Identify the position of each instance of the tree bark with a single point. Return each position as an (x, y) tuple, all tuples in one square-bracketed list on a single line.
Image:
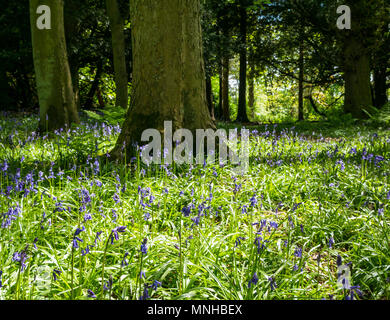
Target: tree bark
[(225, 107), (210, 97), (168, 71), (94, 87), (53, 78), (357, 78), (251, 93), (119, 56), (241, 113), (380, 86)]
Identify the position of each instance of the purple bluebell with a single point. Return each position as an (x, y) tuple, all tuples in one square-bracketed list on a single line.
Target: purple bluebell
[(108, 285), (144, 248), (145, 294), (115, 233), (155, 285), (339, 261), (272, 283), (56, 274), (253, 201), (331, 242), (254, 280), (76, 239), (298, 252), (124, 261), (91, 294), (238, 241)]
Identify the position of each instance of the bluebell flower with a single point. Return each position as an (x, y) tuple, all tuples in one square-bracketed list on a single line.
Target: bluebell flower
[(144, 248), (115, 233), (76, 239), (97, 237), (339, 261), (254, 280), (388, 196), (155, 285), (91, 294), (145, 294), (87, 217), (253, 201), (124, 261), (298, 252), (86, 251), (272, 283), (21, 257), (108, 285), (56, 274), (1, 279), (238, 241), (142, 275), (35, 243)]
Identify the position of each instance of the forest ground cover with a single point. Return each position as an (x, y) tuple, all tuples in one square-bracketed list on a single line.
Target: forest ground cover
[(75, 225)]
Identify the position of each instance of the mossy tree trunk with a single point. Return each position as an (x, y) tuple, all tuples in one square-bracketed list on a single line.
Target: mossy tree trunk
[(53, 77), (119, 56), (168, 71)]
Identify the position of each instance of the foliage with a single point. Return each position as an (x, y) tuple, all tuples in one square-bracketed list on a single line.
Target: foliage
[(312, 196)]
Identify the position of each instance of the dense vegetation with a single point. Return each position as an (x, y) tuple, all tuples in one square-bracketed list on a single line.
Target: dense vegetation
[(83, 217), (72, 221)]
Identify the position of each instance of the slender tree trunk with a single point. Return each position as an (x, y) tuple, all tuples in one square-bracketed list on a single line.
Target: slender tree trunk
[(241, 114), (380, 86), (357, 78), (219, 111), (251, 93), (168, 71), (53, 78), (94, 87), (210, 97), (225, 90), (119, 56), (301, 75)]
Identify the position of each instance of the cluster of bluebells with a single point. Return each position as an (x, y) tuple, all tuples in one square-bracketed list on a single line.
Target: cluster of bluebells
[(147, 287), (11, 215)]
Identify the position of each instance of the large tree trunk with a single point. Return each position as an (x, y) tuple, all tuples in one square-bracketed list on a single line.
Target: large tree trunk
[(168, 74), (118, 47), (357, 78), (225, 107), (241, 113), (53, 78)]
